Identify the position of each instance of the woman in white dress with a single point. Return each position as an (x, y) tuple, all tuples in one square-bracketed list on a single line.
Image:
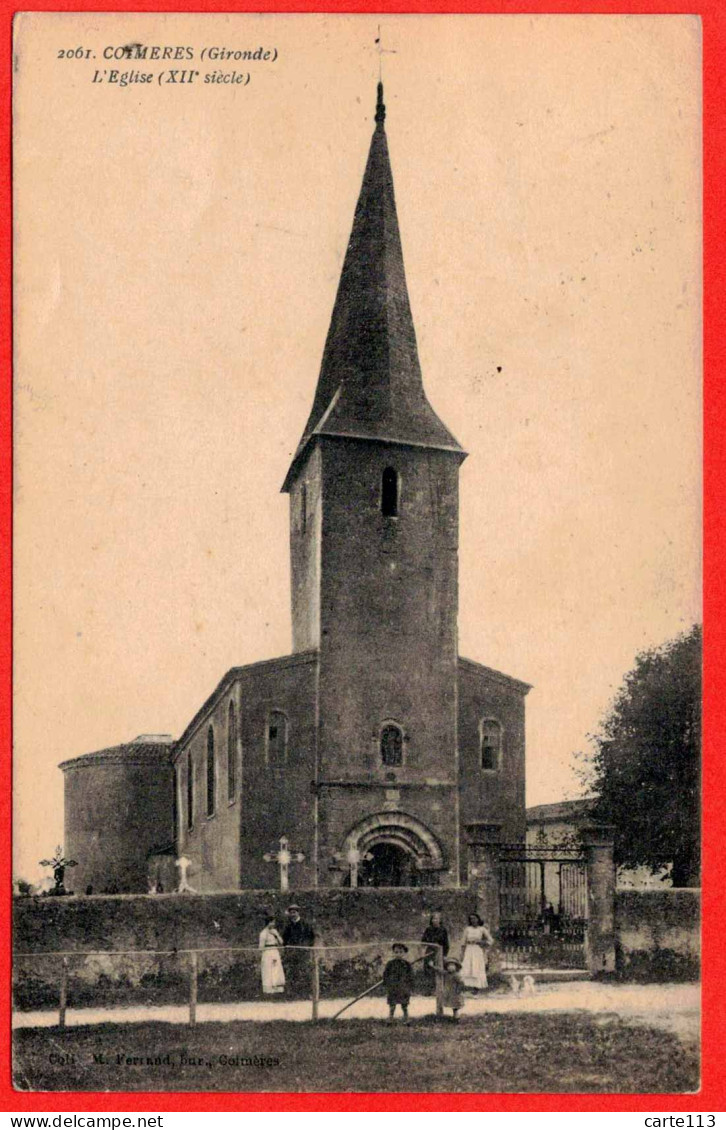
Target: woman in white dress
[(273, 975), (475, 941)]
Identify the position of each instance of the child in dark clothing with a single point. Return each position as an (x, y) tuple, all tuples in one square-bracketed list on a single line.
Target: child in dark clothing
[(453, 995), (398, 980)]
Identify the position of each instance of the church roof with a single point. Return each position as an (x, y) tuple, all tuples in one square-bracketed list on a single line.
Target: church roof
[(481, 669), (146, 748), (561, 811), (370, 384)]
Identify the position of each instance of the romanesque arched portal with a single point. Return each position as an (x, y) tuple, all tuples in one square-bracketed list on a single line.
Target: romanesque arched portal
[(396, 850)]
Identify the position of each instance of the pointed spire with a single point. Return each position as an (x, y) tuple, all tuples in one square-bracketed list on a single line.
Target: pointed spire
[(380, 107), (370, 384)]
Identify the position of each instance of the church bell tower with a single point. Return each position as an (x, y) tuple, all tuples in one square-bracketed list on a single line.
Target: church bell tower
[(374, 510)]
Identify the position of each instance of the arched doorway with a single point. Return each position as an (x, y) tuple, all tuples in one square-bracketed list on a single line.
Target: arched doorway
[(393, 849), (389, 866)]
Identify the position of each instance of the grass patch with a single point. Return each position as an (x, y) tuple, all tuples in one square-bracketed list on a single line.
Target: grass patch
[(547, 1052)]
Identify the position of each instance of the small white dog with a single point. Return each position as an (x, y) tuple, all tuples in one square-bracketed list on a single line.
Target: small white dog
[(524, 988)]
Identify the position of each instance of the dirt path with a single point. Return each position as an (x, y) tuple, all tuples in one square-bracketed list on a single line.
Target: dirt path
[(674, 1008)]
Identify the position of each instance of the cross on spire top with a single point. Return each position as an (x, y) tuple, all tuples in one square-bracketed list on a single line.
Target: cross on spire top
[(378, 45), (370, 383)]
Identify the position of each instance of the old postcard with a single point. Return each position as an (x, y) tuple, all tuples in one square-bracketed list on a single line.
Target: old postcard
[(357, 553)]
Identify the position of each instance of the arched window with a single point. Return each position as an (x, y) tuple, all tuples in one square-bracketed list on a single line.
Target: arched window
[(211, 775), (491, 744), (389, 493), (391, 745), (190, 792), (276, 739), (231, 753)]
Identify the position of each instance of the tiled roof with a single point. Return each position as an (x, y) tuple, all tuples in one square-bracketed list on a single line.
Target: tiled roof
[(561, 811)]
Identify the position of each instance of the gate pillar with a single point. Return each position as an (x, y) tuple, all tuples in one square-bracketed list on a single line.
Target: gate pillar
[(597, 844), (482, 847), (482, 843)]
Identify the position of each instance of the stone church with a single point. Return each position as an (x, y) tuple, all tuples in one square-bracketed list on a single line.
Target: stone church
[(374, 736)]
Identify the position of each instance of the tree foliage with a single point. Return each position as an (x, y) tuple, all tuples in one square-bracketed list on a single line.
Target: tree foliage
[(645, 767)]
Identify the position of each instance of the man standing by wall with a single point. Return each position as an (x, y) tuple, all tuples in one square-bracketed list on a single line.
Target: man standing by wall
[(297, 933)]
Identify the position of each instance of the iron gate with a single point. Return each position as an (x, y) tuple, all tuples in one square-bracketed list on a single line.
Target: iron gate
[(542, 907)]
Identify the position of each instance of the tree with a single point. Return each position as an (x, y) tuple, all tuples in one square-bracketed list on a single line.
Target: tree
[(645, 768)]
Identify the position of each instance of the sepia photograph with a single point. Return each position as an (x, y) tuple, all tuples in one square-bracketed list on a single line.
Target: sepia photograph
[(357, 553)]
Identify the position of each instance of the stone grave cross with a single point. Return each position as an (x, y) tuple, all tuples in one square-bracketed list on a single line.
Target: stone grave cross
[(59, 864), (184, 865), (284, 857), (354, 857)]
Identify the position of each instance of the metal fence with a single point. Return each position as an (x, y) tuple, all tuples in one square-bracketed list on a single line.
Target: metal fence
[(543, 907)]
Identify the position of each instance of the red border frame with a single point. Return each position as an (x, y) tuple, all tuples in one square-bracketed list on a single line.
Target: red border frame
[(710, 1098)]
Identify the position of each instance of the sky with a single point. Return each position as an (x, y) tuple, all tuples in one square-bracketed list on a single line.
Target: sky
[(177, 255)]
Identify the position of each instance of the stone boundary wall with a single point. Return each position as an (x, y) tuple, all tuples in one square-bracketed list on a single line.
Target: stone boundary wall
[(647, 922), (658, 934), (129, 922), (223, 921), (657, 939)]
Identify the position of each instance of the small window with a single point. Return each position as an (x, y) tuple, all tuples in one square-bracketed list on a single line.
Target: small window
[(211, 774), (276, 739), (491, 744), (389, 493), (190, 792), (231, 752), (391, 745)]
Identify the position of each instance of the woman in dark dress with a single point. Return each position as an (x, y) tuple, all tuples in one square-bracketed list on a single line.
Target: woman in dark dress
[(437, 934)]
